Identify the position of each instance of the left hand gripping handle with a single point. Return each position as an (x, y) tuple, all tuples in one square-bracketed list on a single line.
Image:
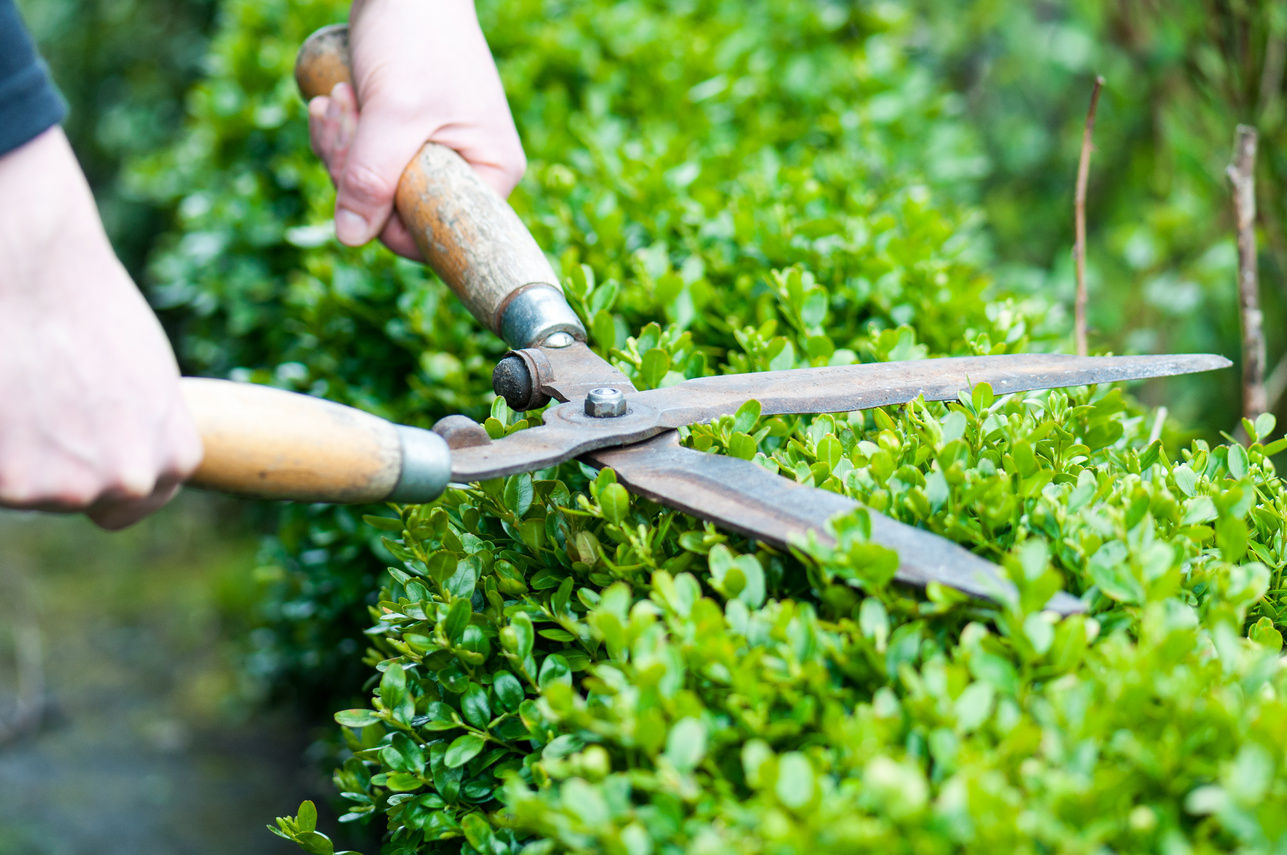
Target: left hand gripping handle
[(268, 443)]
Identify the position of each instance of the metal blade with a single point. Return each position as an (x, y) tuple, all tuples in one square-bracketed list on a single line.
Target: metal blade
[(846, 388), (738, 495), (569, 432)]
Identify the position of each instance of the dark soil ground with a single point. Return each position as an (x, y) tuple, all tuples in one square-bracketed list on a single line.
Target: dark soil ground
[(147, 743)]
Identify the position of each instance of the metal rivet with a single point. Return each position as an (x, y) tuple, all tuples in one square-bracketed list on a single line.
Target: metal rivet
[(605, 403), (559, 339)]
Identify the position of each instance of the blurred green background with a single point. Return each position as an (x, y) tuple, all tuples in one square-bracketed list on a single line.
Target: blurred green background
[(163, 647)]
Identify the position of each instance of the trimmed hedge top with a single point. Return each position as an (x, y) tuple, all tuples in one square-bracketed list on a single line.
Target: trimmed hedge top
[(557, 666)]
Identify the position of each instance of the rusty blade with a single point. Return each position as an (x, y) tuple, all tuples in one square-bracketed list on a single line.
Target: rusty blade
[(859, 387), (569, 432), (738, 495)]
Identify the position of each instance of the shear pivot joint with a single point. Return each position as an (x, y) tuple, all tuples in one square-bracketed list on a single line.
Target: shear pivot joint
[(605, 403)]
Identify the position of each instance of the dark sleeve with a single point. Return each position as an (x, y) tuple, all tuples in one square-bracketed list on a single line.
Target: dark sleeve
[(29, 103)]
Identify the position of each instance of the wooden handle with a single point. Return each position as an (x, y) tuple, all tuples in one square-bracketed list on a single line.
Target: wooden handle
[(468, 234), (272, 444)]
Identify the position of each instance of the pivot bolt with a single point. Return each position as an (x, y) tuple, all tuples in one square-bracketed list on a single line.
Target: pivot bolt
[(559, 339), (605, 403)]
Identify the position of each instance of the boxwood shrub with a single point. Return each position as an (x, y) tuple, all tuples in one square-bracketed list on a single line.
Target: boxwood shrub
[(552, 665)]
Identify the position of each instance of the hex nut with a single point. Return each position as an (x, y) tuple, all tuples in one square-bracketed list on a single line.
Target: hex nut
[(605, 403)]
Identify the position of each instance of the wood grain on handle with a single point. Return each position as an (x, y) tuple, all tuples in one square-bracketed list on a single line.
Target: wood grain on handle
[(273, 444), (468, 234)]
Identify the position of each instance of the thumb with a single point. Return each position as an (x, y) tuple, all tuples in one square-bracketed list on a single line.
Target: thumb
[(381, 150)]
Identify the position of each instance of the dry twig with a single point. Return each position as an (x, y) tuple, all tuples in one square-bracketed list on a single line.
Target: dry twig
[(1242, 176), (1079, 213)]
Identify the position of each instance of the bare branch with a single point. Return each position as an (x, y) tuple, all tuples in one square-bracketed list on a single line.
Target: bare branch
[(1276, 385), (1079, 215), (1271, 76), (1242, 177)]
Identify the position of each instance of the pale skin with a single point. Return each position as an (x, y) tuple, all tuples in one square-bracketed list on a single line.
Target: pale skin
[(91, 416), (423, 72)]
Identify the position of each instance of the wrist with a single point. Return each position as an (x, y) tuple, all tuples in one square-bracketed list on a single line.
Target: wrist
[(45, 207)]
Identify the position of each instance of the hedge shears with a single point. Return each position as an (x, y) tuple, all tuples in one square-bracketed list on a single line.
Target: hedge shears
[(274, 444)]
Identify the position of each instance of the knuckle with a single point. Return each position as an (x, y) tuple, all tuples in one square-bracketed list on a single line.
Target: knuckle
[(364, 185), (183, 461), (131, 485), (127, 480), (70, 492)]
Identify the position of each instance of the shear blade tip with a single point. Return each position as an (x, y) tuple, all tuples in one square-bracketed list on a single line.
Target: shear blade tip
[(1065, 604)]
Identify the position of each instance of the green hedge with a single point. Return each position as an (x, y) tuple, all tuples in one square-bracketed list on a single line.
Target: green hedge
[(123, 67), (555, 666)]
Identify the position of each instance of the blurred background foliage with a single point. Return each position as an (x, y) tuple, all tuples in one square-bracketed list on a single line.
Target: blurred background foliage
[(977, 105), (123, 66), (1180, 75)]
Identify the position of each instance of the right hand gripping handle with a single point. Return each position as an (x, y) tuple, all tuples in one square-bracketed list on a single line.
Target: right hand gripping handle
[(469, 235)]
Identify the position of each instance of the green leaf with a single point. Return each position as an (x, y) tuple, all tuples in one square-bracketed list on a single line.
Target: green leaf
[(457, 619), (974, 705), (1276, 447), (509, 691), (742, 446), (1264, 633), (603, 297), (936, 489), (746, 417), (795, 786), (518, 493), (1116, 581), (1237, 461), (873, 620), (474, 706), (686, 744), (403, 782), (653, 367), (461, 583), (526, 635), (1265, 424), (981, 397), (615, 502), (1186, 479), (307, 818), (315, 843), (1041, 635), (462, 750), (393, 685), (357, 718), (604, 330), (1231, 537), (383, 523), (954, 424), (478, 832), (554, 670)]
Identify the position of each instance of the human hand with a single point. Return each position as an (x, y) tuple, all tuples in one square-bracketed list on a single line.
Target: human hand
[(423, 72), (91, 417)]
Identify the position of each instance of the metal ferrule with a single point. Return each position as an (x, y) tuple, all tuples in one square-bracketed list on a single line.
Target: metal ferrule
[(534, 313), (426, 466)]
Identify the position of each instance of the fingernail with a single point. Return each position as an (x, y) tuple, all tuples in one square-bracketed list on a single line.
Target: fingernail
[(350, 228)]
